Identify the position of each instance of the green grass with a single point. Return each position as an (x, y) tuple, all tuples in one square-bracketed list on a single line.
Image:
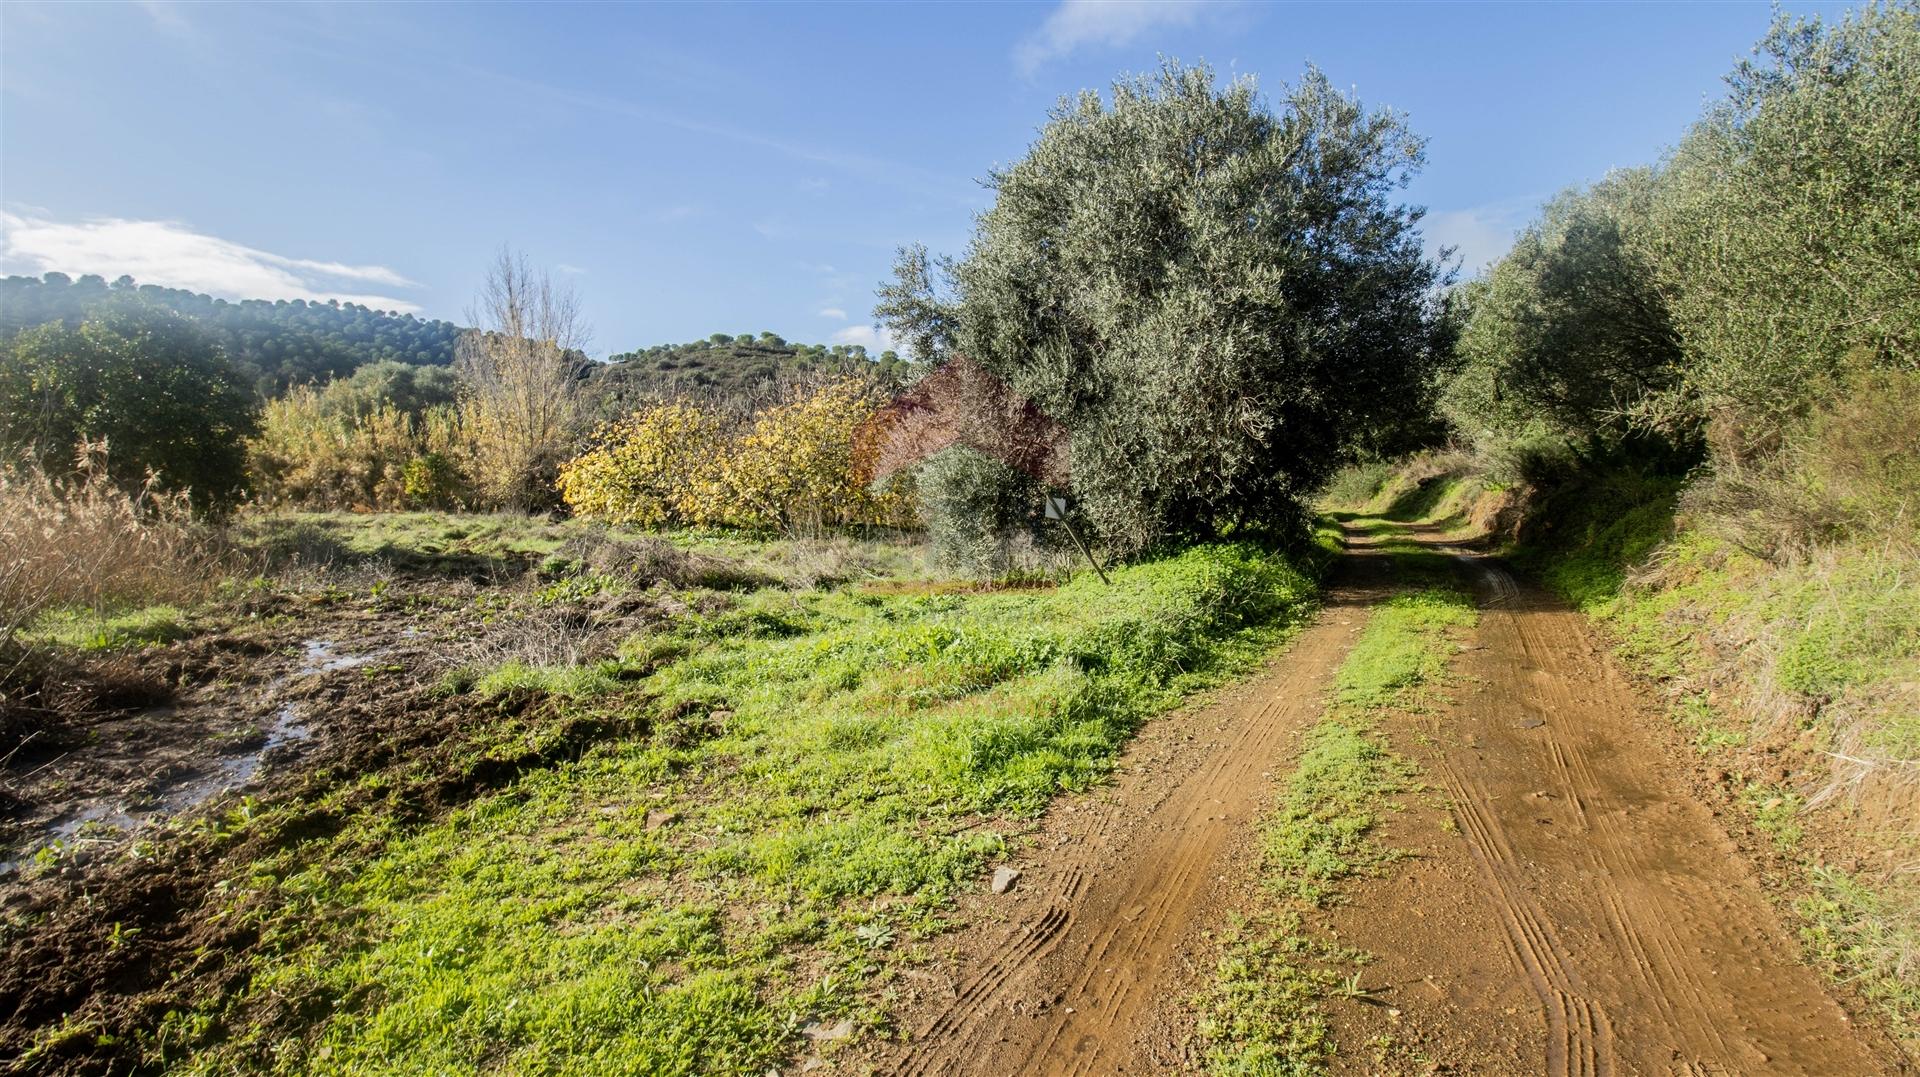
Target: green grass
[(87, 629), (475, 542), (1863, 934), (1263, 1017), (813, 775), (1264, 1013)]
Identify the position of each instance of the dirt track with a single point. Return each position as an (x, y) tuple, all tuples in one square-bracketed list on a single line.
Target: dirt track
[(1568, 909)]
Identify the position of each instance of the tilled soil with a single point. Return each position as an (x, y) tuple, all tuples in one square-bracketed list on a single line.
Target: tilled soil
[(1567, 906)]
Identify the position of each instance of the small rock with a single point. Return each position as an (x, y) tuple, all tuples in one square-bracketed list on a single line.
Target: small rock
[(1004, 878), (839, 1030), (1533, 723), (659, 818)]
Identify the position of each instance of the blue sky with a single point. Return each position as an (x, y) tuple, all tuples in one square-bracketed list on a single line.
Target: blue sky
[(707, 168)]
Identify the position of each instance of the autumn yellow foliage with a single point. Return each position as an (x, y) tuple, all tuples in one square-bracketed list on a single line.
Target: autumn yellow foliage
[(314, 450), (794, 465)]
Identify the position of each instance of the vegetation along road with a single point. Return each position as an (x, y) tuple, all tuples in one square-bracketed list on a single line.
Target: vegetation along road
[(1524, 882), (1214, 631)]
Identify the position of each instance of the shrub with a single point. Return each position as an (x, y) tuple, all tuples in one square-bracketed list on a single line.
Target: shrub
[(144, 380), (659, 466), (979, 511), (796, 465)]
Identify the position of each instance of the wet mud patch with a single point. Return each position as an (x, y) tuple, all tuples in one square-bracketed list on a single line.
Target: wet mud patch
[(101, 941)]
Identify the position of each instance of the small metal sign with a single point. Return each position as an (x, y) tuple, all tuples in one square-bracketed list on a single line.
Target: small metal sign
[(1056, 508)]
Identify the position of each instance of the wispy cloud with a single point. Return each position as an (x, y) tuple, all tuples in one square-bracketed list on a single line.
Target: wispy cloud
[(172, 254), (1079, 23), (835, 313), (875, 338), (569, 269), (167, 17), (1479, 235)]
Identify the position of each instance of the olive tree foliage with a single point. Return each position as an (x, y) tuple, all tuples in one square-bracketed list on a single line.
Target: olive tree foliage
[(1221, 301), (1569, 334), (523, 392), (1790, 225)]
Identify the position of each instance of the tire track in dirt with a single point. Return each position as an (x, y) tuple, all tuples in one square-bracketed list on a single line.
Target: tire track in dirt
[(1122, 887), (1624, 909)]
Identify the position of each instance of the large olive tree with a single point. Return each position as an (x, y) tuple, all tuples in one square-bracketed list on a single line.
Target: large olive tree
[(1570, 333), (1790, 223), (1219, 299)]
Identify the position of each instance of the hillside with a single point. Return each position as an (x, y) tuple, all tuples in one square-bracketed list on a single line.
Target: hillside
[(277, 343), (726, 369)]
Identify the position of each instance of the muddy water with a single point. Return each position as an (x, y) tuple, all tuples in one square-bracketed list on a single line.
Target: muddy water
[(287, 729)]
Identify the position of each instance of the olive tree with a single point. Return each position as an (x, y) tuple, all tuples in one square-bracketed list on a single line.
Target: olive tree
[(1219, 299), (1570, 333), (1791, 223)]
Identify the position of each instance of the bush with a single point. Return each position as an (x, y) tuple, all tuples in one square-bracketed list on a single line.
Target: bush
[(148, 382), (797, 464), (334, 447), (979, 512), (657, 467), (1850, 470)]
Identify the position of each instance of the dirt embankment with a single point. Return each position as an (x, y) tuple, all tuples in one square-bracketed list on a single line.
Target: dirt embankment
[(1567, 906)]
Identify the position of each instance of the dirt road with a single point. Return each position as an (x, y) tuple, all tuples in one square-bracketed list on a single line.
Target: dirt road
[(1568, 909)]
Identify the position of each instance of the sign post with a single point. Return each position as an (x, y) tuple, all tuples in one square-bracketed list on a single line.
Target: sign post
[(1057, 510)]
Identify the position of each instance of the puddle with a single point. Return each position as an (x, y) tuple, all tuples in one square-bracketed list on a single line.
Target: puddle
[(287, 728), (322, 658)]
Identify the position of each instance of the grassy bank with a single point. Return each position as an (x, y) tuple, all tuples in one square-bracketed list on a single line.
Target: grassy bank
[(787, 788), (1265, 1011)]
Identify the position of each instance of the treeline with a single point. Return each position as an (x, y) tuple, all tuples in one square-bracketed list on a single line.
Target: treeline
[(737, 371), (273, 343), (1751, 301), (172, 384)]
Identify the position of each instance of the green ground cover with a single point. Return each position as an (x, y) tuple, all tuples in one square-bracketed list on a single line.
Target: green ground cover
[(806, 778)]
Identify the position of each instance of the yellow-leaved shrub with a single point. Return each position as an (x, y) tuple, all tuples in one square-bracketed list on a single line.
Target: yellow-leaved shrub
[(795, 465), (656, 467)]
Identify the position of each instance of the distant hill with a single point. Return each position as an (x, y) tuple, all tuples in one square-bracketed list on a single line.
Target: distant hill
[(277, 342), (735, 371)]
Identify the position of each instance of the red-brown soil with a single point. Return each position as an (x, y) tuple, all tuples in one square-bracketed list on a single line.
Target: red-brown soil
[(1567, 906)]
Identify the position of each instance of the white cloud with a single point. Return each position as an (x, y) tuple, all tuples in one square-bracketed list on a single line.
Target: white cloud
[(171, 254), (1480, 235), (569, 268), (835, 313), (167, 17), (1076, 23), (875, 338)]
